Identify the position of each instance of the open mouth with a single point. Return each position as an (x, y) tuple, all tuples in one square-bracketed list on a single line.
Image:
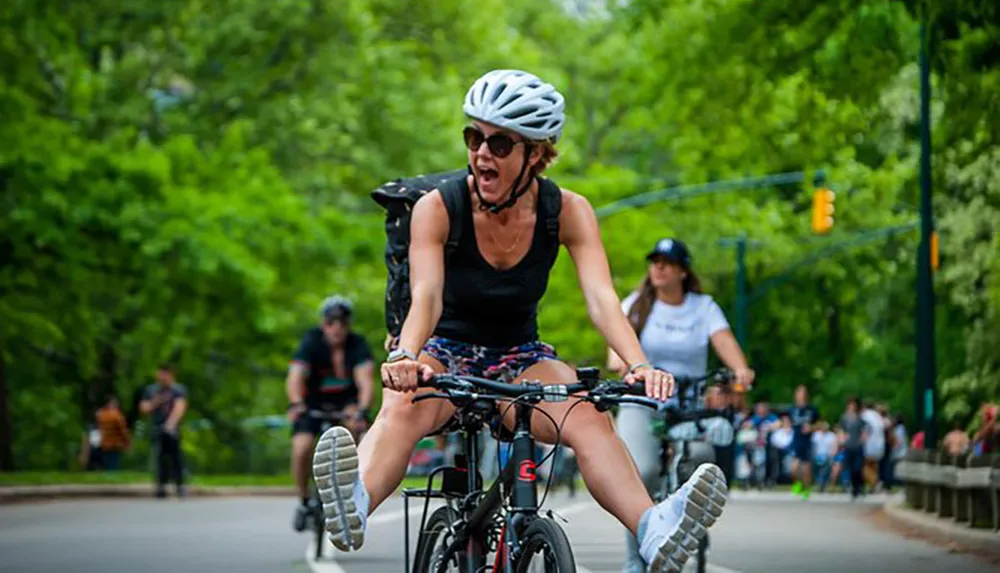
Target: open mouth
[(488, 176)]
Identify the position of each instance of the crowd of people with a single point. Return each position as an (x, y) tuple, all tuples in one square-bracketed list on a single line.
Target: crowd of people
[(855, 450)]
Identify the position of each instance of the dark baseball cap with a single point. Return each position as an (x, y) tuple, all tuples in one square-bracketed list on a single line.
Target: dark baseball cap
[(673, 250)]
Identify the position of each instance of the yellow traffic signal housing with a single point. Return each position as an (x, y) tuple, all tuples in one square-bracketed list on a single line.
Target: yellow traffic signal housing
[(822, 216), (935, 262)]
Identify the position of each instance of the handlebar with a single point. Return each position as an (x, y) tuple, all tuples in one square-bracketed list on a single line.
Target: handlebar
[(720, 377), (603, 394), (329, 416), (468, 390)]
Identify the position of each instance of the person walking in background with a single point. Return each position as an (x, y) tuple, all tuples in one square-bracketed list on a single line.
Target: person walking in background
[(956, 442), (900, 444), (764, 420), (853, 428), (166, 403), (781, 438), (824, 449), (115, 437), (874, 445), (90, 448), (803, 416), (987, 437)]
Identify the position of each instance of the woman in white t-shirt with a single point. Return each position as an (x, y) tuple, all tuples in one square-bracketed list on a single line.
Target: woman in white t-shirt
[(675, 323)]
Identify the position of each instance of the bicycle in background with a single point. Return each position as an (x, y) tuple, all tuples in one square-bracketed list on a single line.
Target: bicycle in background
[(688, 434)]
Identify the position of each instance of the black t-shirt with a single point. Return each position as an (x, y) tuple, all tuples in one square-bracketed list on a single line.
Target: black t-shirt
[(323, 385), (170, 394), (800, 416)]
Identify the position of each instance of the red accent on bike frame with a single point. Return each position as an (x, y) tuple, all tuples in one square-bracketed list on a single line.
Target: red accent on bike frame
[(498, 560), (526, 472)]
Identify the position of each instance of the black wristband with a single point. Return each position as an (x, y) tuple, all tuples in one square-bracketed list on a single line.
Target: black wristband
[(294, 405)]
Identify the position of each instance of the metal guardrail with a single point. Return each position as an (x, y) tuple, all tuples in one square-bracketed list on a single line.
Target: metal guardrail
[(964, 489)]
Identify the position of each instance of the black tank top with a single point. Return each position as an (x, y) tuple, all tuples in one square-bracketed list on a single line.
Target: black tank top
[(499, 308)]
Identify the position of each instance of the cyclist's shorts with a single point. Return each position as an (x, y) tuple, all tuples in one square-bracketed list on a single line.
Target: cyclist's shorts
[(500, 364)]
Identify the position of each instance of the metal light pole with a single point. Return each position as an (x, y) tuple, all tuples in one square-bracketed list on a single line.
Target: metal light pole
[(925, 395), (741, 290), (742, 301)]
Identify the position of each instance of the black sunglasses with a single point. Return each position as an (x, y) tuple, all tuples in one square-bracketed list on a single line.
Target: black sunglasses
[(501, 145)]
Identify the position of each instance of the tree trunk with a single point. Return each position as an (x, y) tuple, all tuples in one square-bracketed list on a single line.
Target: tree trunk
[(6, 432)]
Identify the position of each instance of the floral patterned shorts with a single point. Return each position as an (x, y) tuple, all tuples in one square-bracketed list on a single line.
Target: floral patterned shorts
[(500, 364)]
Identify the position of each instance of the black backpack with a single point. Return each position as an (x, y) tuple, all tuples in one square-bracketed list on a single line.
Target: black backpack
[(397, 198)]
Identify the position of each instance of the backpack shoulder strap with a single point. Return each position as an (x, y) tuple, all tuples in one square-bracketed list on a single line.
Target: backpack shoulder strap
[(455, 194), (551, 200)]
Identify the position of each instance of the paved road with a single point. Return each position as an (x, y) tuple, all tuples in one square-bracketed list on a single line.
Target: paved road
[(763, 533)]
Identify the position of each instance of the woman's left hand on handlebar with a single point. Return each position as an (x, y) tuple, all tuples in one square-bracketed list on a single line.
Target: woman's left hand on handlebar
[(660, 385)]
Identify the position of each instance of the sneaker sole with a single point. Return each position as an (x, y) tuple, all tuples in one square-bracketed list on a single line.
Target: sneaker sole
[(335, 468), (701, 510)]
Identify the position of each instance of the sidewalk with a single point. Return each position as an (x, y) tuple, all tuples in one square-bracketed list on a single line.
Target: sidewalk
[(981, 541)]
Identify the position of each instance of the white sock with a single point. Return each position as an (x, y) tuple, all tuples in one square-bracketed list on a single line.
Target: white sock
[(361, 500)]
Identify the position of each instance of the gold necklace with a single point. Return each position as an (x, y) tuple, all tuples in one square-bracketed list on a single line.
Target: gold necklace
[(506, 251), (517, 240)]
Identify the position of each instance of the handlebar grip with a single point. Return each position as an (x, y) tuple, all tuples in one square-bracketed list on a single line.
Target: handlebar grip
[(647, 402), (637, 389)]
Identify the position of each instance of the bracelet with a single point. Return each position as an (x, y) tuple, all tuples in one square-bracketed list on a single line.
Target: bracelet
[(635, 367)]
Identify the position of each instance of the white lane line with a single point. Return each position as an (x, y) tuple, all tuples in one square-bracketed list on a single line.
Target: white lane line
[(709, 568), (328, 564)]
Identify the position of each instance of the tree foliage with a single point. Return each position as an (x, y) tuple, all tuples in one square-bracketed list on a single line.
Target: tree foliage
[(185, 181)]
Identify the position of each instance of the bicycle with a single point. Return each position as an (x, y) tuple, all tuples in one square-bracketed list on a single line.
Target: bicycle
[(315, 519), (504, 520), (681, 425)]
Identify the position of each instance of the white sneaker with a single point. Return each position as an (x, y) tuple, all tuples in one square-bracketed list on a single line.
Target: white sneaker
[(678, 524), (345, 501)]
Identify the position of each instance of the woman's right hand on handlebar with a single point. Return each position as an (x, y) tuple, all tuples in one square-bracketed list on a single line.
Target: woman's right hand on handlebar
[(403, 375)]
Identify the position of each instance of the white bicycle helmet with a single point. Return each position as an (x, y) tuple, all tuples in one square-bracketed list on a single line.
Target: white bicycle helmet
[(517, 101), (336, 307)]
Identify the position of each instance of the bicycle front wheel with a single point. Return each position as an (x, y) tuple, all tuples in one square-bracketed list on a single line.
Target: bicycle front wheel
[(433, 555), (545, 549)]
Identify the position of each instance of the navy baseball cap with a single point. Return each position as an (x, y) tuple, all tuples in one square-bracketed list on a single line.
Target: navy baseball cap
[(671, 249)]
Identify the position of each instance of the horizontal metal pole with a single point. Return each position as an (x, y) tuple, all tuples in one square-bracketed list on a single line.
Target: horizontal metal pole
[(686, 191)]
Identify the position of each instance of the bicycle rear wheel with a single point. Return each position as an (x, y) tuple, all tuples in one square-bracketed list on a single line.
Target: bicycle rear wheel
[(545, 549), (319, 525)]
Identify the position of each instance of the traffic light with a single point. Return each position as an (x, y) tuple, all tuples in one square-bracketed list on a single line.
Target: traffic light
[(822, 219), (935, 262)]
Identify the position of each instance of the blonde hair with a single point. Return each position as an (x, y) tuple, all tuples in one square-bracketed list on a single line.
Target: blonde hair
[(548, 156)]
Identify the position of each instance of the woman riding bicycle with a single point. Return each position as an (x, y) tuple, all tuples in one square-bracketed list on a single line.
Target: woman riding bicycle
[(476, 314), (675, 323)]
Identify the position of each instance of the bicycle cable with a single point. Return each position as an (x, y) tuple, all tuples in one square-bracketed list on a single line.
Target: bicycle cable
[(558, 429)]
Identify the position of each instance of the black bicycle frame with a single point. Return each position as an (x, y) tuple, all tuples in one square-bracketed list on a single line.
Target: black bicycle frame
[(517, 479)]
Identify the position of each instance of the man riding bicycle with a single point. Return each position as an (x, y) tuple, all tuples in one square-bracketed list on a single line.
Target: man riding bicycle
[(331, 371), (475, 312)]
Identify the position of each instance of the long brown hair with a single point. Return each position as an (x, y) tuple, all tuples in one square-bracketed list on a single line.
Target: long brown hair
[(642, 306)]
